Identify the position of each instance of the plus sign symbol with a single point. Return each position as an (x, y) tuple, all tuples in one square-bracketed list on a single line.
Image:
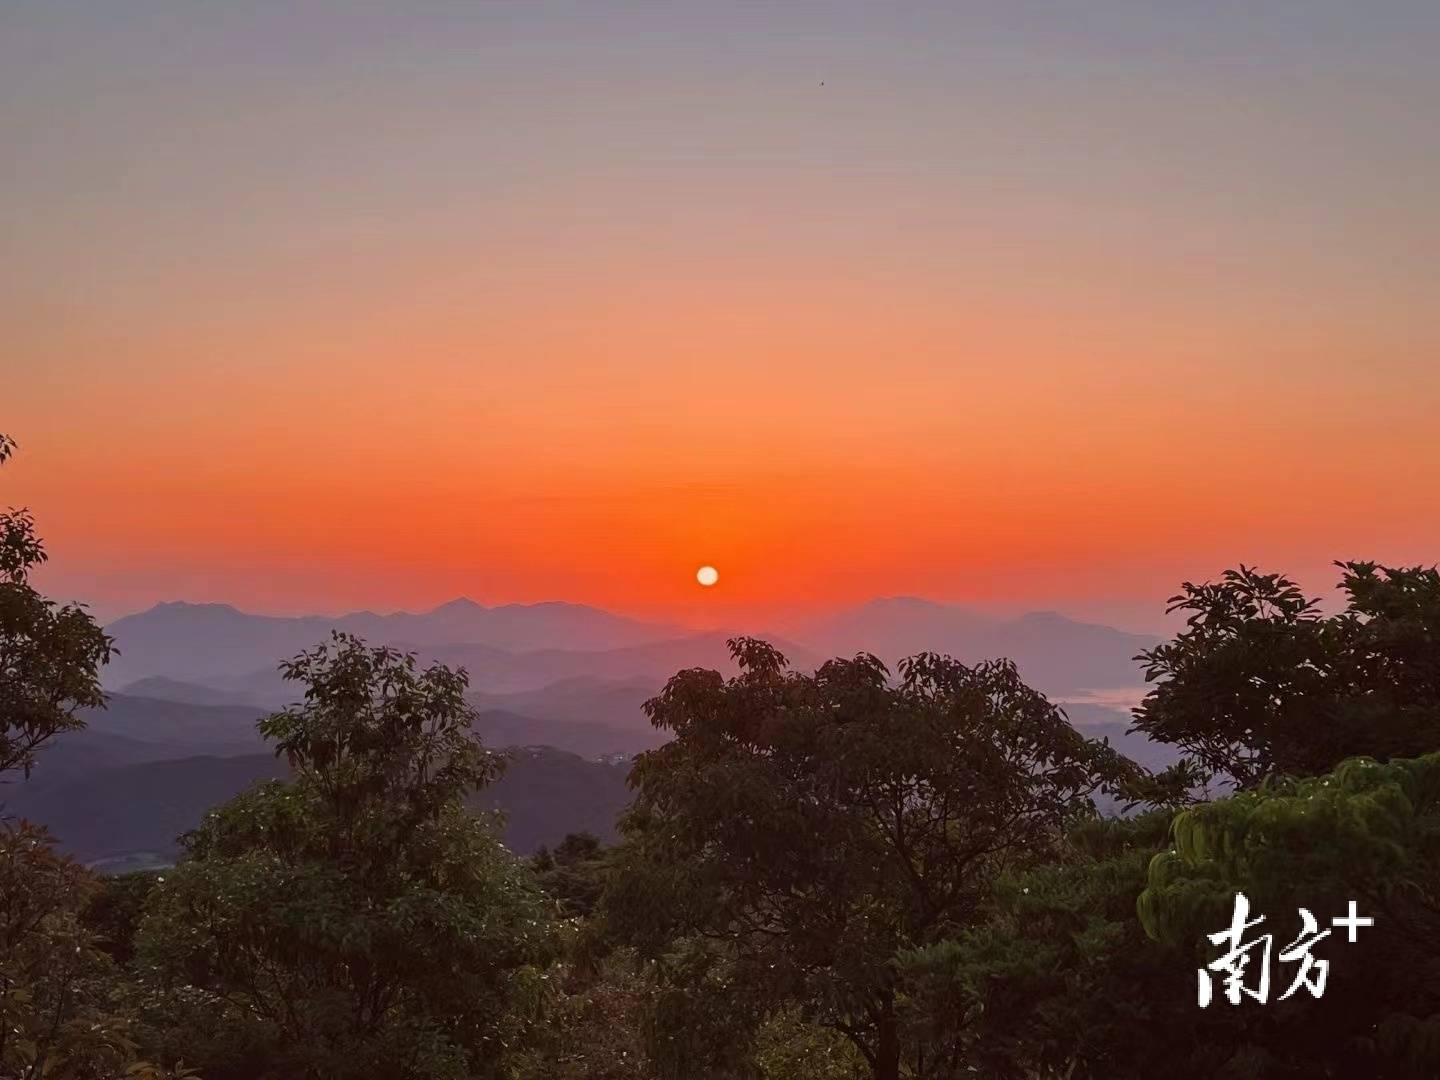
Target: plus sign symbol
[(1352, 922)]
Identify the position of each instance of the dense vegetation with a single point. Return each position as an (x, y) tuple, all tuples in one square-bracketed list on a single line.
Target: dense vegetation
[(840, 875)]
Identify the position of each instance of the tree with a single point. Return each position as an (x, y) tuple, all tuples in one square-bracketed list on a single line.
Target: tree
[(59, 1009), (810, 827), (573, 874), (1260, 682), (1366, 832), (50, 656), (58, 1015), (366, 920), (115, 911), (1061, 981), (47, 964), (593, 1019)]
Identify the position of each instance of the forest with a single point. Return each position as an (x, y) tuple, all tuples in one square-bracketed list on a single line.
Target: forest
[(846, 873)]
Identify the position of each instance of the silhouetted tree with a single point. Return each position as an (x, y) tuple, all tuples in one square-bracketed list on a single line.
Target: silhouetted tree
[(58, 1015), (58, 988), (809, 827), (1260, 682), (1060, 979), (368, 920), (573, 873), (50, 656)]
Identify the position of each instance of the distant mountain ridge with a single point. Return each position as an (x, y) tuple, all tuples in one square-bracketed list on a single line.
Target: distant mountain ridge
[(218, 654), (563, 683), (213, 653), (144, 807), (198, 642), (144, 770)]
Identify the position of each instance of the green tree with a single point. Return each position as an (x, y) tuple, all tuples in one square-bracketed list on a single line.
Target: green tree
[(592, 1023), (359, 914), (1260, 682), (60, 1013), (810, 827), (1366, 832), (1061, 981), (115, 911), (573, 873), (50, 655), (787, 1047)]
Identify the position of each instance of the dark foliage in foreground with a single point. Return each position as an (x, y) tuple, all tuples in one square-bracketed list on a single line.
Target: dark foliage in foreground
[(813, 826)]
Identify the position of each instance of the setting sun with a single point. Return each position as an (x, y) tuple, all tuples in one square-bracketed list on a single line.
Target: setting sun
[(707, 576)]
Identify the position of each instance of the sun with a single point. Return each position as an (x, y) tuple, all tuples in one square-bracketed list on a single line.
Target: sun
[(707, 576)]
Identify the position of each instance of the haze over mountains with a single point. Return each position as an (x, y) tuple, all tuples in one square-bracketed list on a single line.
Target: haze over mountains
[(518, 648), (207, 642), (560, 684)]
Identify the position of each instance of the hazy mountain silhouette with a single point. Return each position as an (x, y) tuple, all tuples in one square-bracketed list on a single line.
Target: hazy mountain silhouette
[(148, 767), (588, 739), (201, 643), (653, 662), (217, 654), (547, 793), (77, 754), (552, 670), (218, 729), (581, 699), (134, 730), (1054, 653), (223, 656), (143, 808), (159, 688)]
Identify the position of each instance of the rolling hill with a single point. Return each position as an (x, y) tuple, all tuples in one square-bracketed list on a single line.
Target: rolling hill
[(122, 811)]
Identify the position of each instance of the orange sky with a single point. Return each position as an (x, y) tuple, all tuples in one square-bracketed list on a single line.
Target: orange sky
[(371, 321)]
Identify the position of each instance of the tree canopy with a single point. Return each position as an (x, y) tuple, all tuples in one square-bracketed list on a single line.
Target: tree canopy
[(1261, 682), (368, 921), (1365, 832), (50, 654), (818, 824), (59, 1014)]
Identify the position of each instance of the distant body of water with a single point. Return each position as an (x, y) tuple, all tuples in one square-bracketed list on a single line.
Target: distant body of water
[(1123, 698)]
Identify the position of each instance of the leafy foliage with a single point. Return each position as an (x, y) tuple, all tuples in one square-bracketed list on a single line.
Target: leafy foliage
[(817, 825), (115, 911), (1060, 980), (1368, 832), (573, 873), (370, 923), (592, 1021), (1260, 682), (50, 656), (60, 1013), (787, 1047)]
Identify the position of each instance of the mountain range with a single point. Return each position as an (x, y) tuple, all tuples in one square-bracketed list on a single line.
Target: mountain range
[(518, 648), (145, 771), (1056, 654), (208, 642), (560, 685)]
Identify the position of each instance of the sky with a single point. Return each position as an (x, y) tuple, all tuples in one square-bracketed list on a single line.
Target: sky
[(324, 306)]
